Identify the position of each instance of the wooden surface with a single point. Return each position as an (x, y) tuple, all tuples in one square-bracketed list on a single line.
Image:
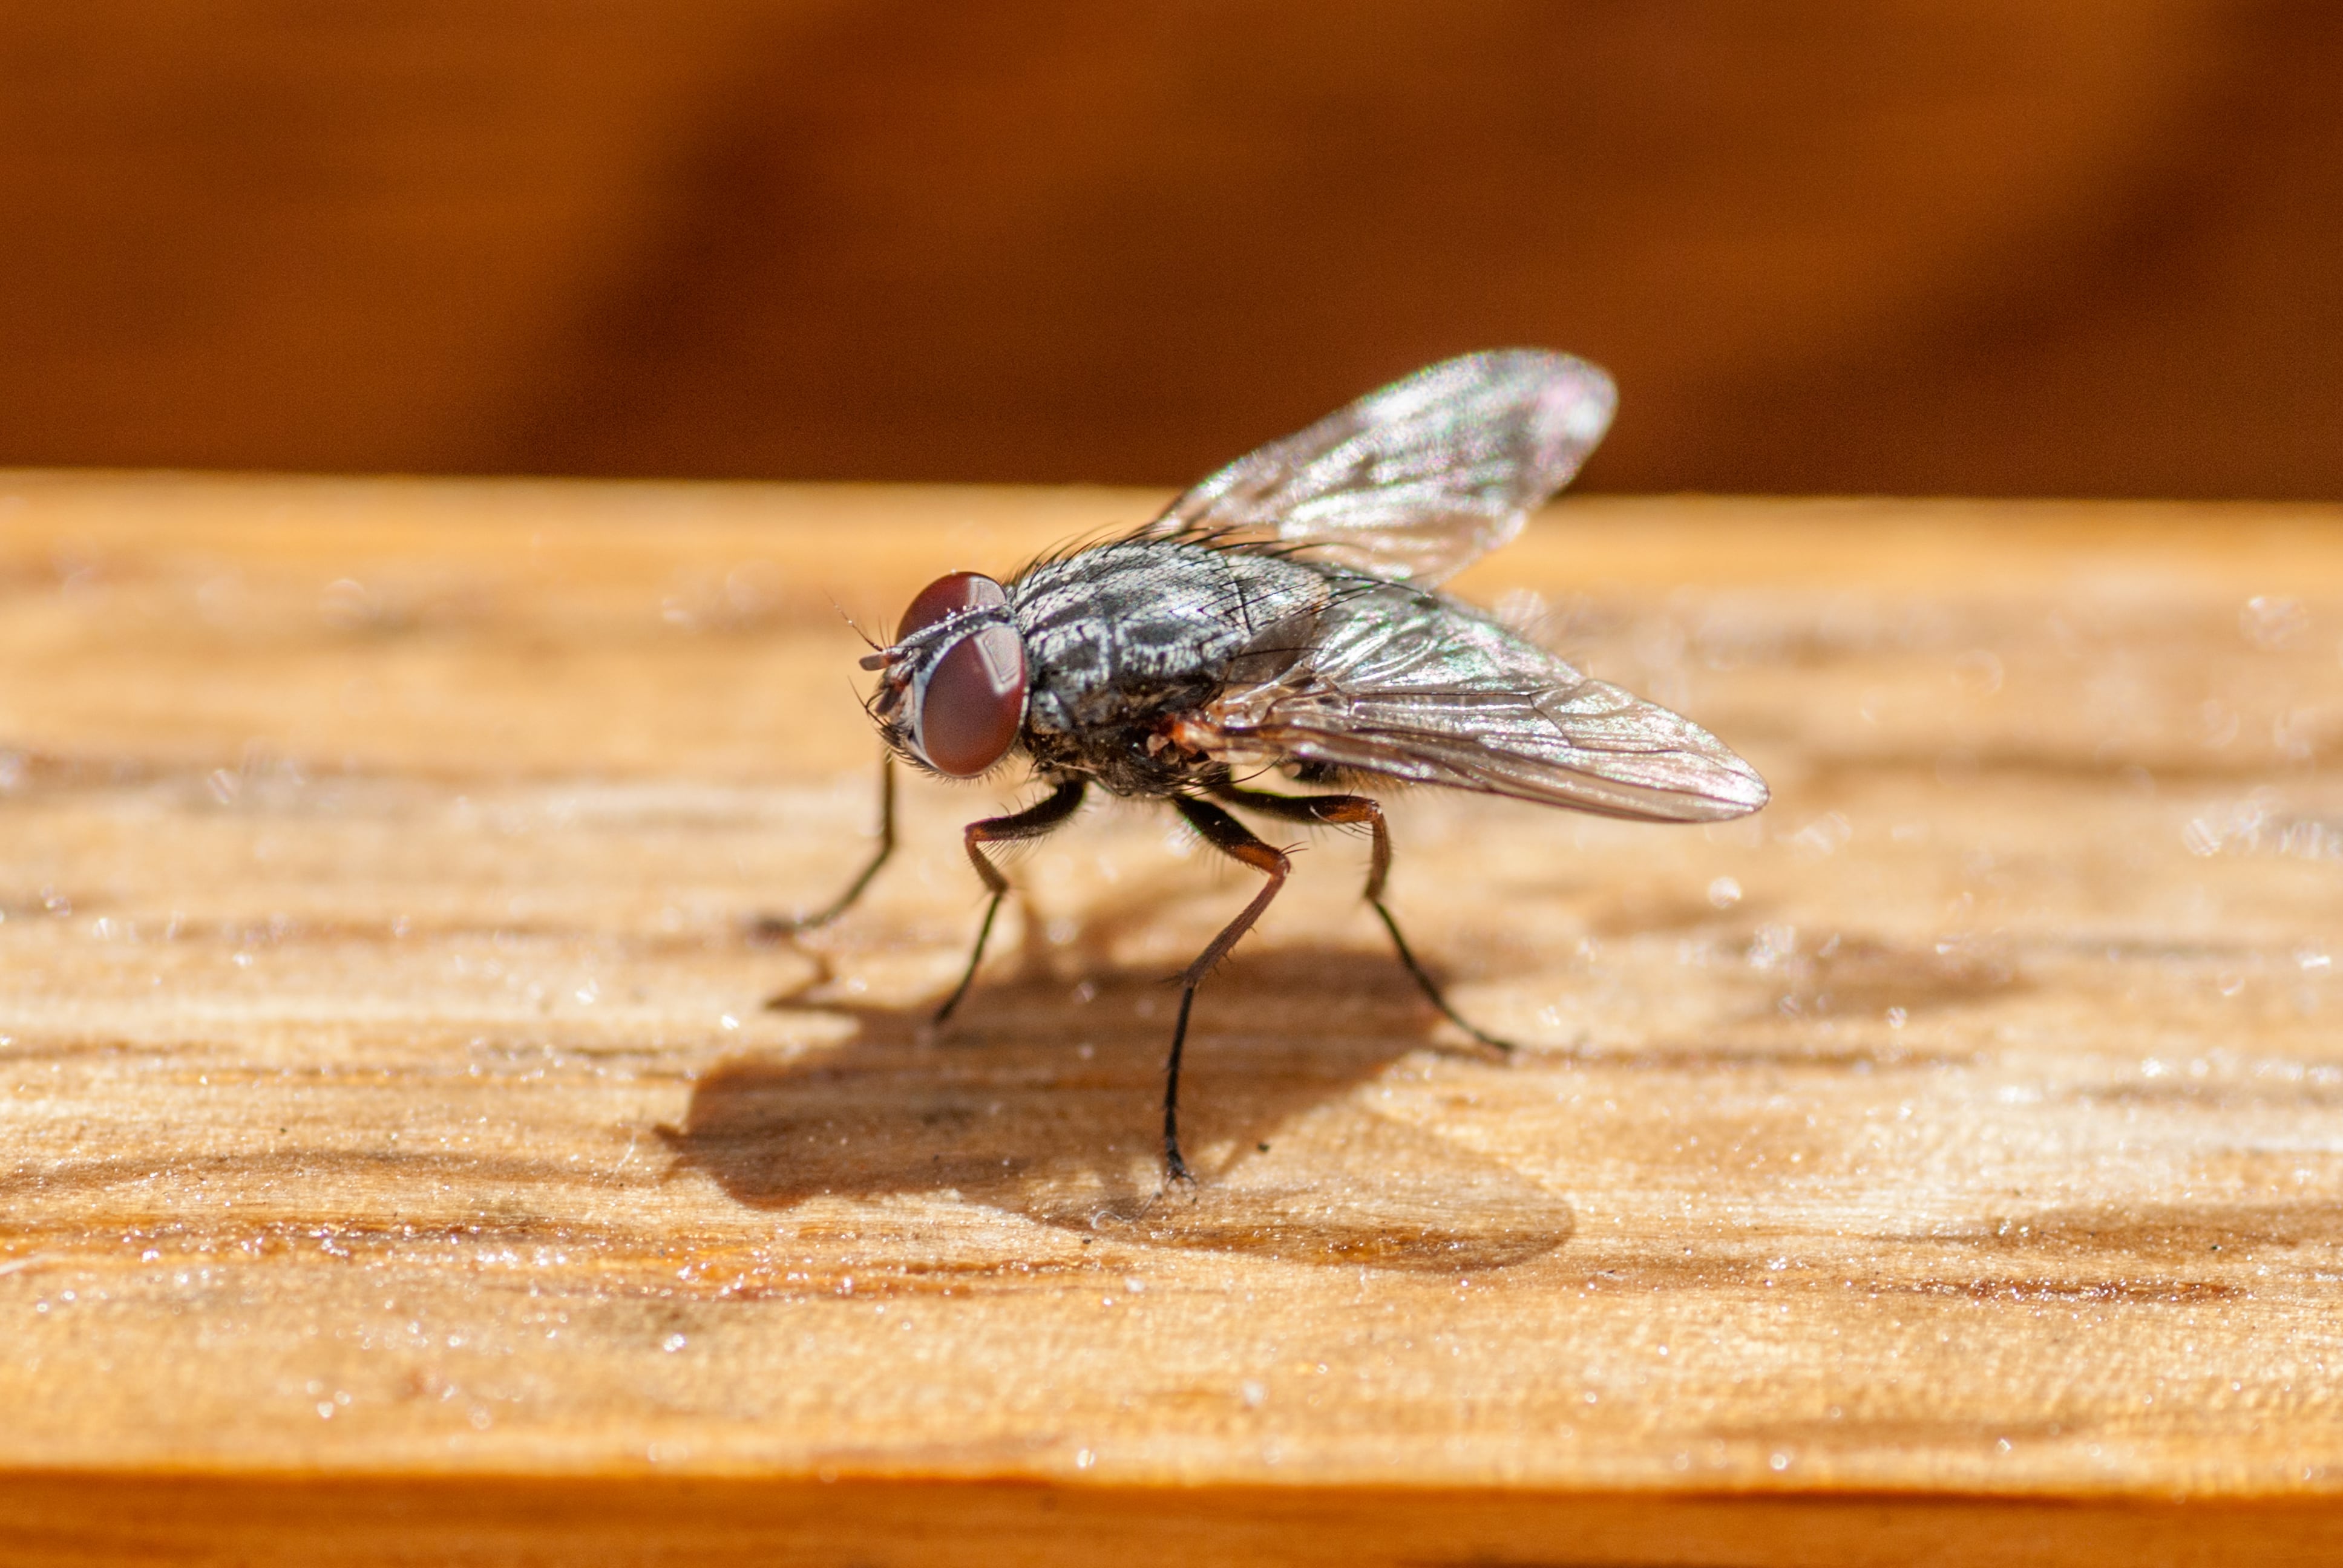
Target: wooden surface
[(407, 1151)]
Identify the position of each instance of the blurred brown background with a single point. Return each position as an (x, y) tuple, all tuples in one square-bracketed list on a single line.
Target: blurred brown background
[(2056, 247)]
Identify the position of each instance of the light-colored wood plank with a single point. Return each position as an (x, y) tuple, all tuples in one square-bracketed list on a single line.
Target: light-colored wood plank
[(395, 1099)]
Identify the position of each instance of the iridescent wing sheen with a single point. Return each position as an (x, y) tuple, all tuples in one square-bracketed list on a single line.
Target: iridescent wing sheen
[(1415, 686), (1414, 482)]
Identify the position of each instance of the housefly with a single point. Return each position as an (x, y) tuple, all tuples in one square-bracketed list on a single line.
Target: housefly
[(1283, 617)]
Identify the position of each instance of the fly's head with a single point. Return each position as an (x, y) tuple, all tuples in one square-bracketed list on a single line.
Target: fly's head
[(952, 694)]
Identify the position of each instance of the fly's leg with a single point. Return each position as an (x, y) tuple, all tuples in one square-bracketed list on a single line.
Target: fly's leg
[(1349, 810), (775, 926), (1030, 823), (1229, 835)]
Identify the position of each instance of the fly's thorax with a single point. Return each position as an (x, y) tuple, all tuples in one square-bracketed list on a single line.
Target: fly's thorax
[(953, 696), (1120, 634)]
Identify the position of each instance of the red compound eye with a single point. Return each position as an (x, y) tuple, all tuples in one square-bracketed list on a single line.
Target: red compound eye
[(948, 596), (973, 701)]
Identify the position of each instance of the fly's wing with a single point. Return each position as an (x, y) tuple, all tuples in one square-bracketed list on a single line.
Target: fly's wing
[(1411, 483), (1417, 687)]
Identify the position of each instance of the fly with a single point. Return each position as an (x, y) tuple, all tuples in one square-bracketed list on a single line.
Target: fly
[(1284, 617)]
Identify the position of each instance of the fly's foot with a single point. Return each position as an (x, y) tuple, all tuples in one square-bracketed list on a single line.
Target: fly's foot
[(1179, 1180), (1478, 1042), (769, 930), (935, 1031), (1480, 1047)]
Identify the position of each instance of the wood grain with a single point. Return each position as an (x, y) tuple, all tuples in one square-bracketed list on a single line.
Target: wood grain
[(407, 1151)]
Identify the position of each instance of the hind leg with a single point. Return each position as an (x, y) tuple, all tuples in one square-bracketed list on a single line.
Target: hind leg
[(1359, 810)]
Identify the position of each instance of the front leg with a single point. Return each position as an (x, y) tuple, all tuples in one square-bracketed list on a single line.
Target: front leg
[(1343, 810), (1030, 823), (776, 926)]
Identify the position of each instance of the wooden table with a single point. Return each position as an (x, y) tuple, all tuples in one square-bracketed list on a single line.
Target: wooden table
[(411, 1153)]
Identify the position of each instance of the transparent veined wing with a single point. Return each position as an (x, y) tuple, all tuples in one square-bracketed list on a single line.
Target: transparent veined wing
[(1411, 483), (1415, 685)]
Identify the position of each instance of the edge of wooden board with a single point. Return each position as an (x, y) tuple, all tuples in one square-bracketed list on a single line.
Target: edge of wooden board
[(90, 1518)]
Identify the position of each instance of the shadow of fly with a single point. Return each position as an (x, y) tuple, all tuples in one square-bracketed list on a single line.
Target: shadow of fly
[(1285, 618)]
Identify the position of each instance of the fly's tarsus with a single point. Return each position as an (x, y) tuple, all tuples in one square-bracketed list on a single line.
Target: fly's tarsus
[(775, 927), (1431, 990), (1175, 1169)]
